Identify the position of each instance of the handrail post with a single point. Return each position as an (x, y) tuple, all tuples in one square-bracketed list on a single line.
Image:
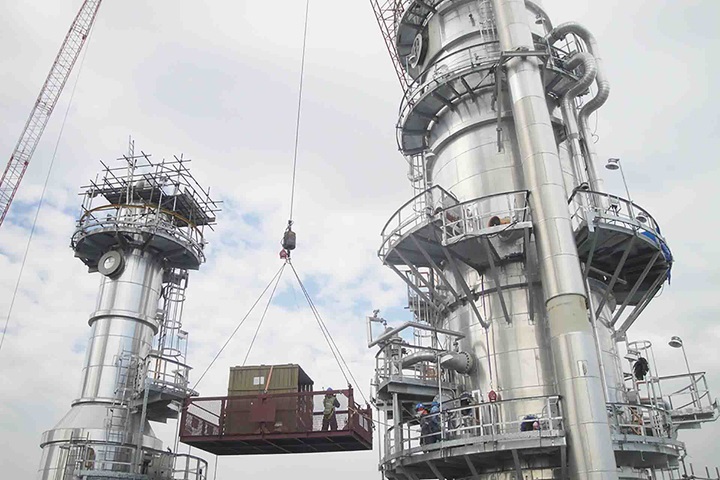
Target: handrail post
[(223, 413)]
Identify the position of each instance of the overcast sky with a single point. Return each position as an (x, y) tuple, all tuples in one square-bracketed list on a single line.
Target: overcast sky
[(218, 82)]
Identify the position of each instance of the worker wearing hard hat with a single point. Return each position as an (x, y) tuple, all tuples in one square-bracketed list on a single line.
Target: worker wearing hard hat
[(330, 403)]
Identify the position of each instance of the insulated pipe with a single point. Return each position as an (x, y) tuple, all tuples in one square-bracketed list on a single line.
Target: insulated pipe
[(391, 332), (460, 362), (417, 357), (589, 67), (558, 33), (572, 343)]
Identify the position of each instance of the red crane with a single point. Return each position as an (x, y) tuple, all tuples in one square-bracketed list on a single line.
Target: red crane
[(45, 103)]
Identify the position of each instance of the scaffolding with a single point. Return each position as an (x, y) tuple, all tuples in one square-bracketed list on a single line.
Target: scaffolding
[(157, 205)]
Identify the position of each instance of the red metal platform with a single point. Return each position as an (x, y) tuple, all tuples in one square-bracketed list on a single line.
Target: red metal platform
[(274, 424)]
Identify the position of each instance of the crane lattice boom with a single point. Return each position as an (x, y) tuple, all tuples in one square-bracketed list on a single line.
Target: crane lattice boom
[(387, 14), (45, 103)]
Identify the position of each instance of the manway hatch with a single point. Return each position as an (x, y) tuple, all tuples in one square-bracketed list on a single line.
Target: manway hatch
[(274, 410)]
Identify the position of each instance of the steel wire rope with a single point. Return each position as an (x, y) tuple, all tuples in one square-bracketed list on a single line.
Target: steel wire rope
[(44, 189), (328, 337), (299, 112), (252, 342), (262, 317), (238, 326), (242, 321), (322, 329)]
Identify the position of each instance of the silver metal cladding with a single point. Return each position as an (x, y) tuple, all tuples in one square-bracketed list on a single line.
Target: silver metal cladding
[(123, 324), (573, 347)]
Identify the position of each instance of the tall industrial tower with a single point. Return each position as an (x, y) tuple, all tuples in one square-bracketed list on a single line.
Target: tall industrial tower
[(141, 228), (523, 274)]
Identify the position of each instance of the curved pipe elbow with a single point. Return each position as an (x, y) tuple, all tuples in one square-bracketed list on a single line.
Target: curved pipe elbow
[(603, 84), (559, 32), (597, 101), (460, 362), (590, 70), (418, 357)]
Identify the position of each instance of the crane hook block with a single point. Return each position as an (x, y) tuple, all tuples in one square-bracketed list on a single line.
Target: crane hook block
[(288, 241)]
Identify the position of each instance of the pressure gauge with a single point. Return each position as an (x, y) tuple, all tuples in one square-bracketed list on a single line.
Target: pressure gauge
[(111, 264)]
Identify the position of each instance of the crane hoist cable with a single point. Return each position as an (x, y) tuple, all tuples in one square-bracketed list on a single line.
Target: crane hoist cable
[(252, 342), (42, 193), (328, 337), (262, 294), (262, 317), (288, 242)]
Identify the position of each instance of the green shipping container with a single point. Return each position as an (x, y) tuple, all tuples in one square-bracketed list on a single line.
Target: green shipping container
[(289, 414), (255, 379)]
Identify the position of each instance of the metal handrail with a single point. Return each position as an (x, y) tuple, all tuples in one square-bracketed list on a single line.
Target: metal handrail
[(391, 368), (195, 468), (473, 216), (177, 379), (444, 72), (403, 221), (482, 422), (101, 456), (697, 390), (614, 210), (641, 420), (198, 421), (462, 64), (149, 217)]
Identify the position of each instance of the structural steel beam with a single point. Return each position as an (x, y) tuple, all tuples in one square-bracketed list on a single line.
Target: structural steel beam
[(468, 293)]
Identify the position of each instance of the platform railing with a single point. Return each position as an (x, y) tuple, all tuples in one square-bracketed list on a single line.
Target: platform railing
[(455, 64), (389, 360), (613, 210), (144, 218), (189, 467), (408, 216), (98, 456), (471, 217), (273, 413), (169, 373), (641, 420), (690, 393), (496, 422)]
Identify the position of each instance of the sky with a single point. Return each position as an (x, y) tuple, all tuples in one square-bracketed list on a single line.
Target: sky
[(218, 82)]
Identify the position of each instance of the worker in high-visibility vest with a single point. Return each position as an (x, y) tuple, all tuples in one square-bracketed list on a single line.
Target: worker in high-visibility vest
[(330, 403)]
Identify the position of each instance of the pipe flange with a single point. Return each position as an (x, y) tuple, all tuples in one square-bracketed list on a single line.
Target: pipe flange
[(111, 264)]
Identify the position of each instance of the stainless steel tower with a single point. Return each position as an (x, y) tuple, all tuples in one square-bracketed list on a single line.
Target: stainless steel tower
[(523, 275), (142, 229)]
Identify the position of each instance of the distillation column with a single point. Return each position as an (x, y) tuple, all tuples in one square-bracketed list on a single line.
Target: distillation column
[(147, 227), (488, 126)]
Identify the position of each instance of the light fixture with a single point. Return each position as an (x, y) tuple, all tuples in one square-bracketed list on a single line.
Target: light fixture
[(641, 218), (613, 164), (676, 342), (539, 20)]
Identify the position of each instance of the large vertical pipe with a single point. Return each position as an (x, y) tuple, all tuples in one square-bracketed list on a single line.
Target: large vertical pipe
[(123, 326), (603, 84), (568, 108), (573, 347)]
